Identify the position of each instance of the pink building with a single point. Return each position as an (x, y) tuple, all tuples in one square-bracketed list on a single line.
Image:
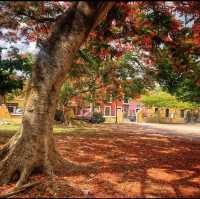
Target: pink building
[(110, 109)]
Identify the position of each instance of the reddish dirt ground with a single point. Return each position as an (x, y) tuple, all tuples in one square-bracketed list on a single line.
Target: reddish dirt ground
[(124, 161)]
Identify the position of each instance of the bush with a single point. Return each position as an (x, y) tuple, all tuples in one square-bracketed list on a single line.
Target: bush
[(59, 116), (97, 118)]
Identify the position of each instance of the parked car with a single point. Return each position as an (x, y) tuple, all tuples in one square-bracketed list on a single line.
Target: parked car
[(19, 111)]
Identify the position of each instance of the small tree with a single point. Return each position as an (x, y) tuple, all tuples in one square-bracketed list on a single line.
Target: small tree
[(165, 100), (13, 71)]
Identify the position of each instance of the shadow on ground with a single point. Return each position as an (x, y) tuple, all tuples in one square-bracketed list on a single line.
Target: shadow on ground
[(123, 161)]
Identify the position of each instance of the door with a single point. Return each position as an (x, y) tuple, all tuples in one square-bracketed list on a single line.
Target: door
[(119, 116), (126, 109)]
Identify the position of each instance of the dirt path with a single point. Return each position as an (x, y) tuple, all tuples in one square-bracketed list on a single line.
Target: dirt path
[(191, 131), (123, 161)]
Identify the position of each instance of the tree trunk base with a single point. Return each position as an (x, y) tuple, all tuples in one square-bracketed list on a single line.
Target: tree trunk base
[(20, 157)]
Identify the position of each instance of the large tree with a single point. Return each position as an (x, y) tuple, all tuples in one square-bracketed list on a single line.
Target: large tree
[(33, 146)]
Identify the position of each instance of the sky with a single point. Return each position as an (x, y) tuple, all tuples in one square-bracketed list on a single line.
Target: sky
[(23, 46)]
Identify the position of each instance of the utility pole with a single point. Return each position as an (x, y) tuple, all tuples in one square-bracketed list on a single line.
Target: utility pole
[(116, 112)]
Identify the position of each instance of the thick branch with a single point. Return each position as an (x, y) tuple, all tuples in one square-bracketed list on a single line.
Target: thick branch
[(102, 9), (69, 33)]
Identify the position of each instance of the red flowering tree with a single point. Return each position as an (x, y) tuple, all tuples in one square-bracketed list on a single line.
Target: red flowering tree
[(60, 29), (33, 146)]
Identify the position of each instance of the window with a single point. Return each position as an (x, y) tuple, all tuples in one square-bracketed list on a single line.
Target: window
[(107, 110), (126, 99), (85, 111), (167, 112), (138, 106), (12, 107), (126, 110), (156, 110), (182, 113)]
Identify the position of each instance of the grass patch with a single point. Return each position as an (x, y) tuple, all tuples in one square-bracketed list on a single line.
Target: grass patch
[(9, 128), (58, 129)]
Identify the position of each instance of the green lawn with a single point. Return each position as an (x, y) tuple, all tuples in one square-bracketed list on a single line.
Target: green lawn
[(9, 128), (13, 127)]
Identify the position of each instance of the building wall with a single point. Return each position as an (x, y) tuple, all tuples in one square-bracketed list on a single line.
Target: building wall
[(113, 119), (4, 114), (160, 116), (110, 114), (143, 114), (110, 119)]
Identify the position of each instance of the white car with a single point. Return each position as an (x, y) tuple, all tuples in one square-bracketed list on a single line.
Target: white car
[(18, 111)]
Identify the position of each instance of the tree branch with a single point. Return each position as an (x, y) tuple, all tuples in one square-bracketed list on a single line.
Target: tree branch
[(38, 19), (20, 189), (102, 9), (85, 91)]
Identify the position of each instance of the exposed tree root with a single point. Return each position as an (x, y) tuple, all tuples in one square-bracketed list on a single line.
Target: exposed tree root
[(5, 149), (19, 189), (20, 157)]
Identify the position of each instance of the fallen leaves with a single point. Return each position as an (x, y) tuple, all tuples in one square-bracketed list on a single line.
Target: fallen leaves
[(123, 161)]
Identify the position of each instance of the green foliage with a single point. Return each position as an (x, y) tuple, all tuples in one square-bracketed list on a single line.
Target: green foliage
[(178, 79), (164, 99), (97, 118), (124, 76), (160, 20), (188, 90), (13, 71), (10, 96), (66, 92), (135, 80), (166, 76)]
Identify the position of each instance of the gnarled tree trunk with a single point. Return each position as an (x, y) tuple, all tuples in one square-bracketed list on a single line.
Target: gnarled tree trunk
[(33, 146)]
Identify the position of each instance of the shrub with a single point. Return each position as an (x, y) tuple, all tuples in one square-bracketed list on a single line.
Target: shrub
[(97, 118), (59, 116)]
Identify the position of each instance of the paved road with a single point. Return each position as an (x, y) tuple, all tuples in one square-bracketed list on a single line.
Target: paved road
[(191, 131)]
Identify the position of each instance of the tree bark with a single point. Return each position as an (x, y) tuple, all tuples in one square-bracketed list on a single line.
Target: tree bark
[(93, 92), (116, 119), (33, 146), (2, 99)]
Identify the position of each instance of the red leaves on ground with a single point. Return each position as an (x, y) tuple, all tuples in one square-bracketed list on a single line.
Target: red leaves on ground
[(123, 161)]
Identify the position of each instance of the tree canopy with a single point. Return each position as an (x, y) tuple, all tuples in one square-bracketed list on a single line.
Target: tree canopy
[(158, 98), (162, 33)]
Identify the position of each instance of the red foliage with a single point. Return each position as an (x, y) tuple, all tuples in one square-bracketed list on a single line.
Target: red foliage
[(196, 32), (198, 83), (176, 25), (147, 42), (124, 20)]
